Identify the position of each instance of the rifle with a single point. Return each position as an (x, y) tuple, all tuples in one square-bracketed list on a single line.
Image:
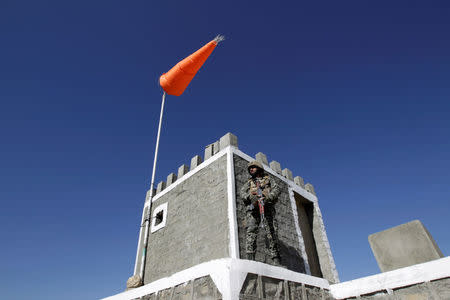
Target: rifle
[(261, 204)]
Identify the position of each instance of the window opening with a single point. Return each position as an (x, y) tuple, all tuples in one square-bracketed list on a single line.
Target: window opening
[(159, 218)]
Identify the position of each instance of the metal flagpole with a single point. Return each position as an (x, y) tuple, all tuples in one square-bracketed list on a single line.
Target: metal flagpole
[(147, 219)]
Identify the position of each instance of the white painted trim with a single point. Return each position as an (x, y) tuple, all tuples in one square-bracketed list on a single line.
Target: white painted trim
[(433, 270), (191, 172), (232, 217), (197, 271), (228, 274), (299, 232), (326, 243), (249, 266), (163, 208), (291, 183)]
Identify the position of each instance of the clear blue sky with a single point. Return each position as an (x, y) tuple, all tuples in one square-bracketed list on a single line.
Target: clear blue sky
[(353, 96)]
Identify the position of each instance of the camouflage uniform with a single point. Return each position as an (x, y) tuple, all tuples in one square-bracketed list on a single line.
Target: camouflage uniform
[(248, 194)]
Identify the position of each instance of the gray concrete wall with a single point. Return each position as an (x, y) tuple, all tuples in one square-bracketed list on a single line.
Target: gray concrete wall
[(404, 245), (290, 251), (197, 224)]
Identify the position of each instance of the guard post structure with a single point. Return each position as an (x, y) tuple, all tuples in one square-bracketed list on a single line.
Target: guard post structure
[(196, 240)]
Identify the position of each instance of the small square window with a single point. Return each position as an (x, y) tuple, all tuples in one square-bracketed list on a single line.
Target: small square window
[(159, 217)]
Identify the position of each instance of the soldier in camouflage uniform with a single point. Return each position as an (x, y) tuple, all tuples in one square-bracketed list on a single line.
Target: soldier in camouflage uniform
[(249, 194)]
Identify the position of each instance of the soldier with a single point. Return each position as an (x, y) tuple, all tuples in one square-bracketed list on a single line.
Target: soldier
[(260, 190)]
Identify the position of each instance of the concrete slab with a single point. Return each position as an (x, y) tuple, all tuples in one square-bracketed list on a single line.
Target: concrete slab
[(404, 245)]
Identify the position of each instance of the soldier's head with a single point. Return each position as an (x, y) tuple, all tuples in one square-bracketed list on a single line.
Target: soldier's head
[(255, 168)]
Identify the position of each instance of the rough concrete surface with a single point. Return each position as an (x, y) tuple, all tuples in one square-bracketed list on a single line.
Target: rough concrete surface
[(228, 139), (287, 173), (198, 289), (196, 224), (261, 287), (262, 158), (404, 245), (288, 242), (299, 181)]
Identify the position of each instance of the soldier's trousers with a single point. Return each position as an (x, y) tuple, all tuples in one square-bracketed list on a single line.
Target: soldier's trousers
[(253, 220)]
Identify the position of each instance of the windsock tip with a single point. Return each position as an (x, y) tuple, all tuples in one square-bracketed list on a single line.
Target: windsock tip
[(219, 38)]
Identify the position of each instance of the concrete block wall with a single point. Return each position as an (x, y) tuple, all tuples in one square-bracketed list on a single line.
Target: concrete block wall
[(194, 232), (175, 185), (290, 251), (210, 150), (291, 242)]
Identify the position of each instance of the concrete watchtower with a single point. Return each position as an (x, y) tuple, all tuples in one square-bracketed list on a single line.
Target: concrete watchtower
[(197, 235)]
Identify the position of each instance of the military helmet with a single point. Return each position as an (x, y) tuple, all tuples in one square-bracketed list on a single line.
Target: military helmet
[(255, 163)]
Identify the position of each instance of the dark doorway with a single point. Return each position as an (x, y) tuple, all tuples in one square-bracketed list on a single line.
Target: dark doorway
[(305, 210)]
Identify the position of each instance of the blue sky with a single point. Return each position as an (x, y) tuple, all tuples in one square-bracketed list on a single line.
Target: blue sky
[(353, 96)]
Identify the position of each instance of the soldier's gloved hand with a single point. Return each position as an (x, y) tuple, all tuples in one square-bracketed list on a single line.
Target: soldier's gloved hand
[(266, 194), (251, 207), (253, 197)]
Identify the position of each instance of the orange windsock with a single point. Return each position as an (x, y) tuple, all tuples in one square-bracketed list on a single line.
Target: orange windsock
[(178, 78)]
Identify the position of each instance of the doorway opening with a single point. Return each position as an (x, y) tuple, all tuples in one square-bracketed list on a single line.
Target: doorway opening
[(305, 212)]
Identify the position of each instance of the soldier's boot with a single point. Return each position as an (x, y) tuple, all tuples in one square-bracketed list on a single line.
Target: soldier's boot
[(276, 261), (251, 256)]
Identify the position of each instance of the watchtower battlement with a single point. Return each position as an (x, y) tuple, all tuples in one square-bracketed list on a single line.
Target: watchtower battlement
[(212, 149)]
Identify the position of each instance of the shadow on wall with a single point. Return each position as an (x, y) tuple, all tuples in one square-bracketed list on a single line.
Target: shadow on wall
[(290, 258)]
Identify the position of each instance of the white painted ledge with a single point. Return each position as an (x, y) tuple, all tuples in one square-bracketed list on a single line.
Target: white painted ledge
[(433, 270), (228, 274)]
